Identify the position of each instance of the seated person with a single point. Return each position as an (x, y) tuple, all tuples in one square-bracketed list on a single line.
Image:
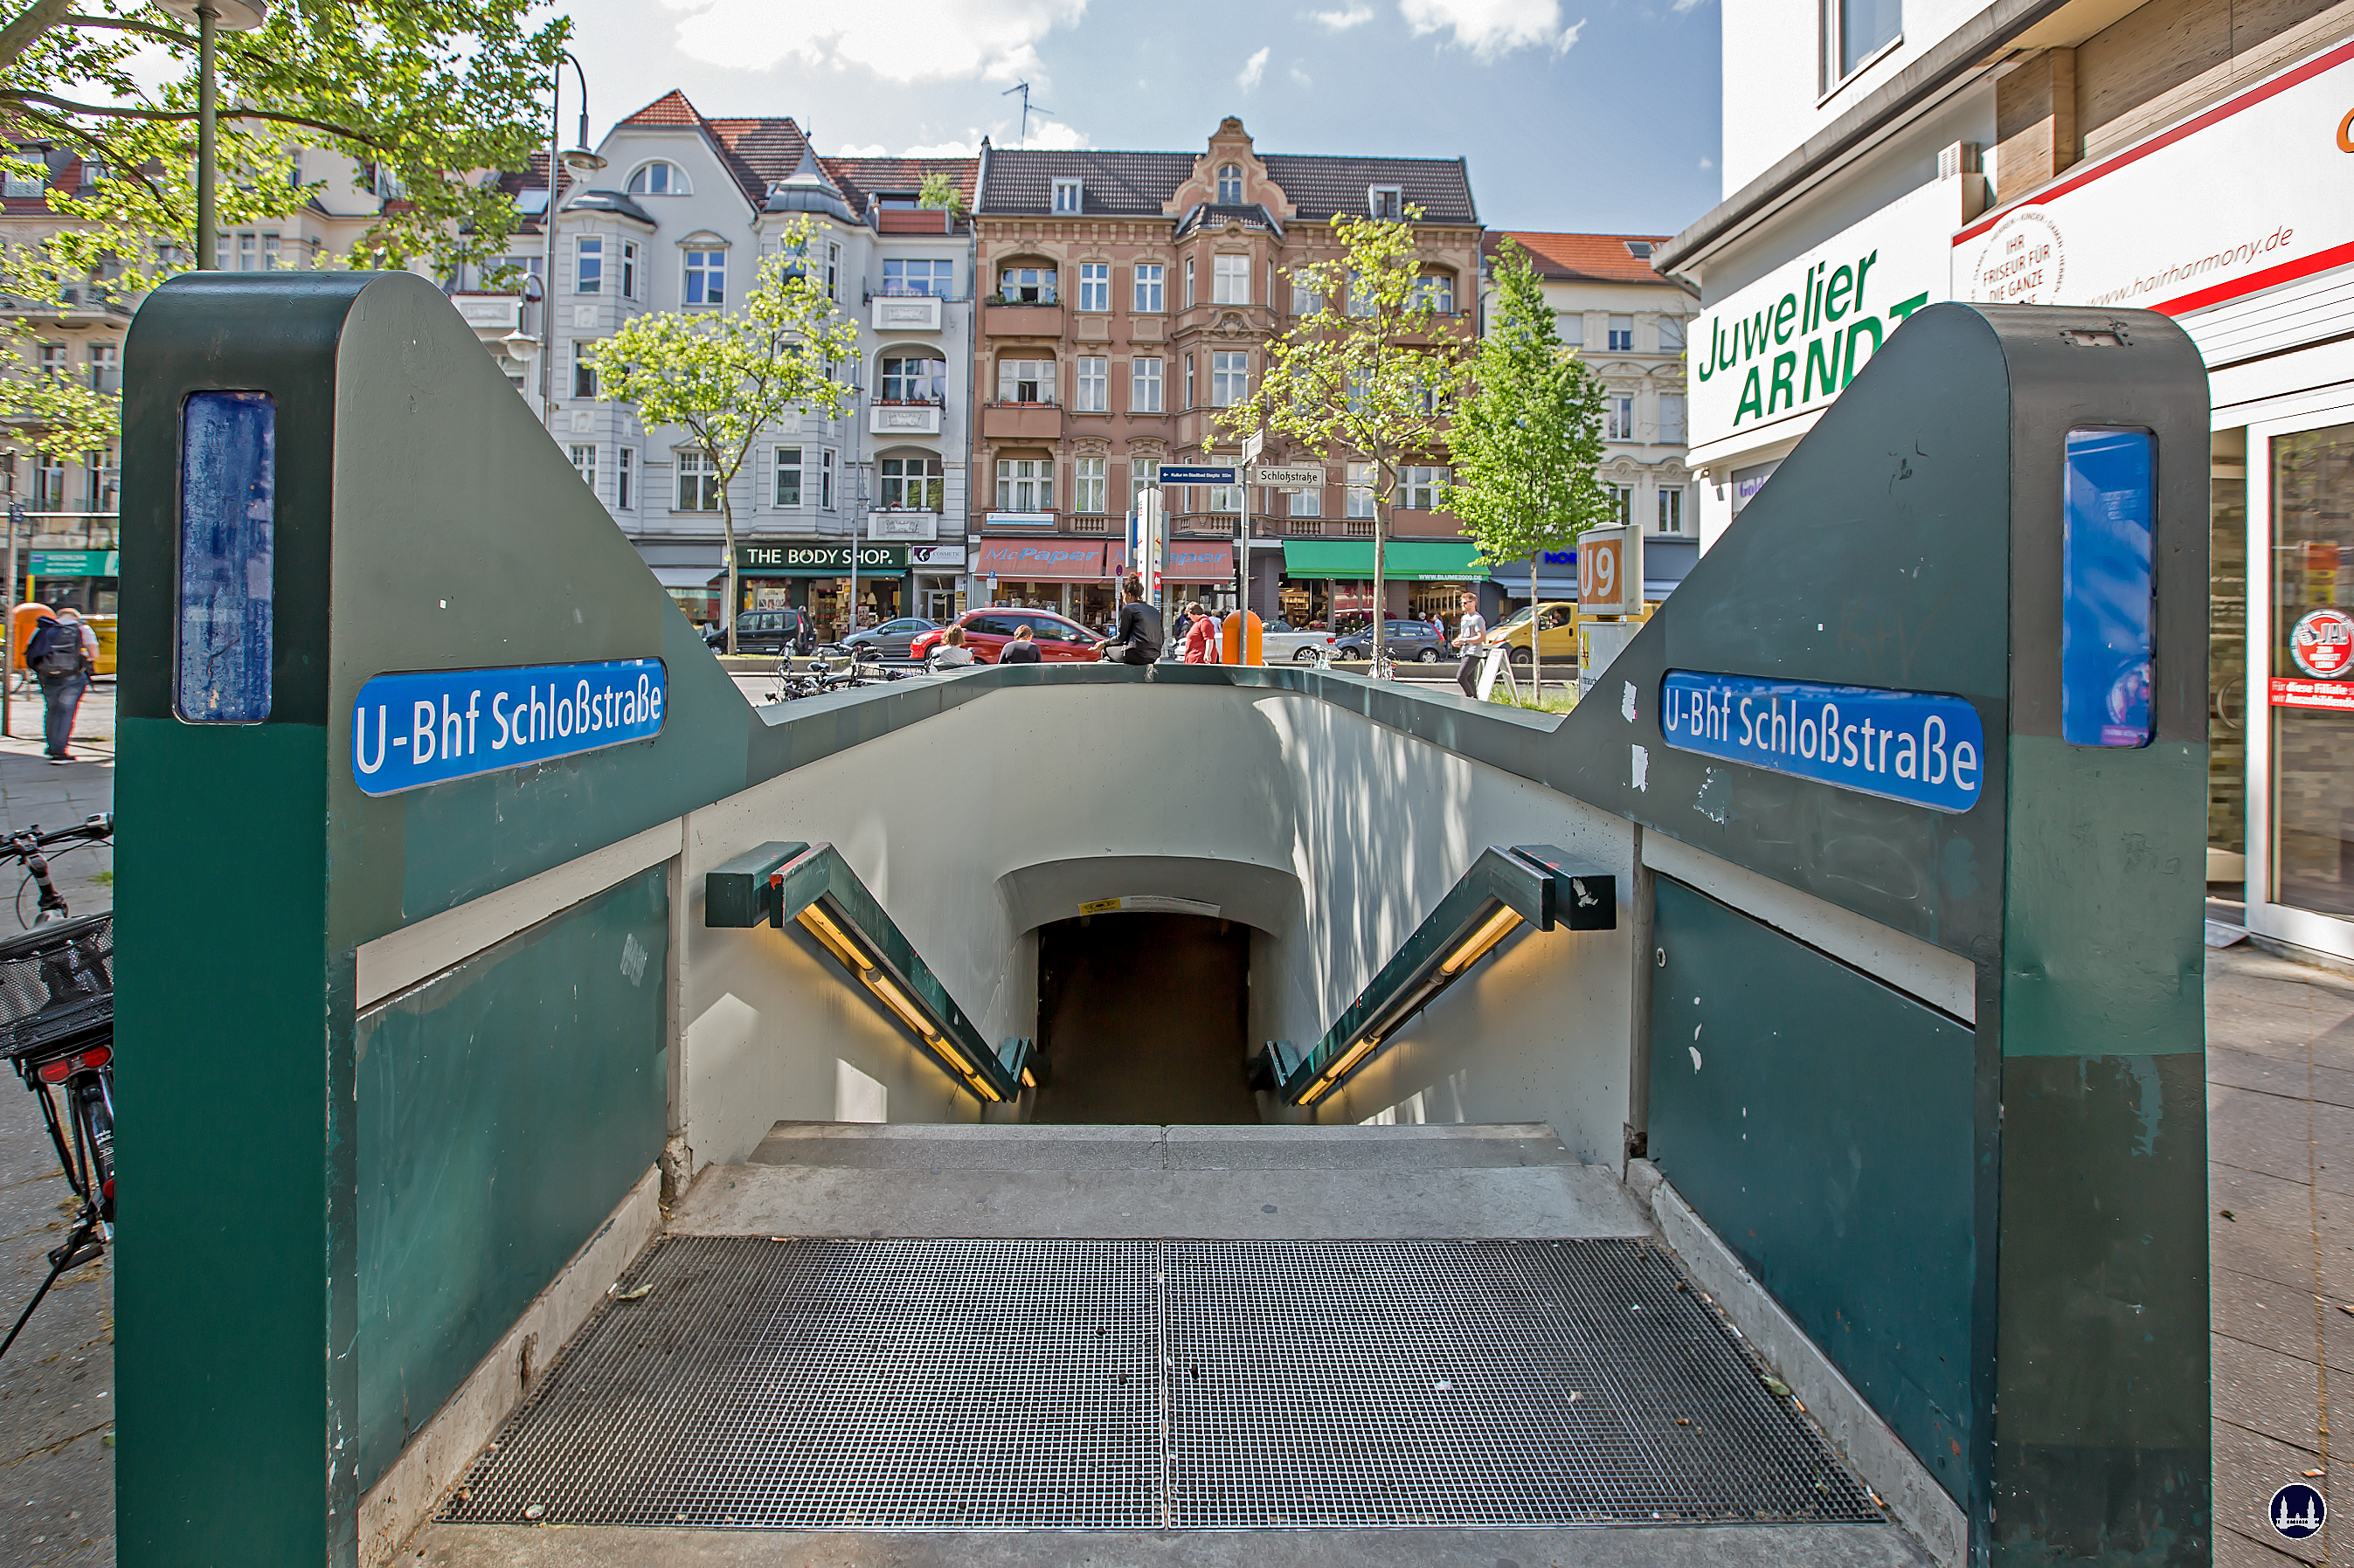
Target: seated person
[(951, 653), (1023, 650), (1136, 638)]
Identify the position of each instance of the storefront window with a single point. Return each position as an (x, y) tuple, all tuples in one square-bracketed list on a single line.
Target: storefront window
[(2227, 653), (2313, 746)]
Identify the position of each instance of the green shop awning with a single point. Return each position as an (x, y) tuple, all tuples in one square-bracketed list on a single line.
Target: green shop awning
[(1402, 560)]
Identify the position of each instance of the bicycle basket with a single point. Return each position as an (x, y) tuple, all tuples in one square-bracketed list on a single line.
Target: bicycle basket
[(56, 981)]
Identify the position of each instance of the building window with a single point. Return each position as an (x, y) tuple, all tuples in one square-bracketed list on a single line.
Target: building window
[(1672, 416), (706, 278), (99, 481), (55, 357), (1148, 289), (698, 483), (1189, 381), (912, 484), (1435, 291), (1622, 333), (1095, 285), (1672, 509), (1067, 196), (105, 367), (628, 269), (1671, 334), (1189, 283), (1571, 324), (915, 378), (825, 479), (1143, 475), (583, 462), (584, 367), (589, 265), (1027, 285), (1385, 201), (1853, 32), (1230, 183), (1360, 300), (1225, 497), (1025, 380), (1422, 488), (23, 175), (625, 478), (833, 272), (789, 477), (905, 277), (48, 482), (1095, 387), (1089, 486), (1144, 386), (1305, 503), (1357, 499), (659, 179), (1229, 379), (1618, 417), (1305, 300), (1026, 484), (1230, 279), (1622, 504)]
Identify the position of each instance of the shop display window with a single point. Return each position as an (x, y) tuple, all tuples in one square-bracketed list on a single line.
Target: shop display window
[(2313, 747)]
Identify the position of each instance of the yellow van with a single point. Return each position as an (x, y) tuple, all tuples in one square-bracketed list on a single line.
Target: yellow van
[(1557, 624)]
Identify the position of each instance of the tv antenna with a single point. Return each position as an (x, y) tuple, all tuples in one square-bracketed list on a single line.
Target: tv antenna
[(1023, 88)]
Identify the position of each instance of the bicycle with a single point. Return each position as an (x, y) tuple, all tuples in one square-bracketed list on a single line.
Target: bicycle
[(27, 846)]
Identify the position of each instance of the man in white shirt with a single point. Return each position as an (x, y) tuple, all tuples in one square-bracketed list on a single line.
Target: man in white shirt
[(1470, 637)]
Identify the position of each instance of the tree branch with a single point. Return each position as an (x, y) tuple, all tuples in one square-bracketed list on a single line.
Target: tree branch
[(28, 26), (26, 95), (153, 31), (95, 145)]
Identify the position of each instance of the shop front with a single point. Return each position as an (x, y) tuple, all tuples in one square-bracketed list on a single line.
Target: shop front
[(817, 579), (1556, 581), (1076, 577), (1200, 572), (1327, 583), (937, 573), (86, 579)]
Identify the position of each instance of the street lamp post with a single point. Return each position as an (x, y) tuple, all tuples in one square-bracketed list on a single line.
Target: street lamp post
[(583, 161), (211, 16)]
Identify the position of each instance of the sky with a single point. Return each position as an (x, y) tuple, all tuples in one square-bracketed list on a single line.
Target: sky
[(1580, 115)]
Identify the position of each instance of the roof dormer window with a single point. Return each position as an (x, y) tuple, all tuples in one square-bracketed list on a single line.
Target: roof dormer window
[(1230, 185), (659, 178), (1067, 196), (1385, 201)]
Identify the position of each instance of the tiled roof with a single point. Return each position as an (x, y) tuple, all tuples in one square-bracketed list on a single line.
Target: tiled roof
[(1321, 186), (671, 108), (757, 150), (1210, 215), (860, 177), (1589, 257), (1120, 185)]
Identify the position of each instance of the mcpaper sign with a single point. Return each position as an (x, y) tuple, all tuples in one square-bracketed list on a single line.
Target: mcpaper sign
[(1919, 747), (1789, 342), (2248, 195), (433, 725)]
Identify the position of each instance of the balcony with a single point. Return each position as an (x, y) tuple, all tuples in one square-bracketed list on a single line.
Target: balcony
[(1087, 522), (1020, 422), (1043, 320), (897, 419), (905, 312)]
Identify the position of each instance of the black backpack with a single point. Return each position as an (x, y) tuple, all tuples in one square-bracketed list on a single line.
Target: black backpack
[(55, 649)]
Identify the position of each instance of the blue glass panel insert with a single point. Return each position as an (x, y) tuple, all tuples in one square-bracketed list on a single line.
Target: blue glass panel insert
[(228, 509), (2105, 599)]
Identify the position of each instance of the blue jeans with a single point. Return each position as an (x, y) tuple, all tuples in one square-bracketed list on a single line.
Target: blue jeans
[(62, 695)]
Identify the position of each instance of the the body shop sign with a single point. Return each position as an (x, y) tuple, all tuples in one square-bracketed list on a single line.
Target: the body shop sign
[(1788, 343), (2248, 195)]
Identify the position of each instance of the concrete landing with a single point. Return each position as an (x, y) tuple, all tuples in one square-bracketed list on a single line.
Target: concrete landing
[(1215, 1183)]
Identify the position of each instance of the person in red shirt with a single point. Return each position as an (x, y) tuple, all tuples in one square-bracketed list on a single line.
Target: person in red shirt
[(1201, 637)]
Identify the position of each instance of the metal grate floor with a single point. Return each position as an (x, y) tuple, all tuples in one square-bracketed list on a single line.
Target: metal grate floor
[(1140, 1384)]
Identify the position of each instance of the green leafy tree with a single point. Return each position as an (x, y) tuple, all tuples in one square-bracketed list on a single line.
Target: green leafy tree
[(727, 379), (941, 191), (428, 97), (1371, 373), (1527, 436)]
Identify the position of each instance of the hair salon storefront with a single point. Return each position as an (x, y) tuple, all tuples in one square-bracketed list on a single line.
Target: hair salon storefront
[(816, 577)]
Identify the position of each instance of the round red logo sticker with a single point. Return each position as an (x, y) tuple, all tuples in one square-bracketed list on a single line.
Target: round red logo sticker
[(2323, 643)]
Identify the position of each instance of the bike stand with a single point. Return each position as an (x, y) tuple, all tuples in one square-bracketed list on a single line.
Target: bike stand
[(81, 1245)]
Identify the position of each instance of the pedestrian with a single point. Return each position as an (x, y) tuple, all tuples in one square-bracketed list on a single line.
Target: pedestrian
[(1201, 640), (1023, 650), (1470, 638), (951, 653), (62, 651), (1136, 638)]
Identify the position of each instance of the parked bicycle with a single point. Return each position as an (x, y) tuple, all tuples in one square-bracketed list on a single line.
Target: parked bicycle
[(864, 668), (56, 1029)]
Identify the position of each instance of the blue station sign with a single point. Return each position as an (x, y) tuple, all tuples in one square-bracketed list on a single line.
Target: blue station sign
[(1919, 747), (1197, 473), (430, 726)]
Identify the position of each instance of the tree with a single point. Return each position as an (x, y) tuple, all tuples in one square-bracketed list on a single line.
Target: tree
[(726, 379), (1527, 437), (941, 191), (428, 97), (1371, 372)]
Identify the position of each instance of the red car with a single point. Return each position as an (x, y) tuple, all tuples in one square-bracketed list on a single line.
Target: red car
[(1060, 639)]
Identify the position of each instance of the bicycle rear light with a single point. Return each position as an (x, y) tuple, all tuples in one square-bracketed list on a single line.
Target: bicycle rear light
[(64, 1067)]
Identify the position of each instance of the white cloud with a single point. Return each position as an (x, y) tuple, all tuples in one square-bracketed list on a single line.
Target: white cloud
[(1708, 162), (1493, 27), (876, 151), (1568, 39), (968, 149), (915, 40), (1342, 21), (1253, 69), (1056, 136), (1301, 77)]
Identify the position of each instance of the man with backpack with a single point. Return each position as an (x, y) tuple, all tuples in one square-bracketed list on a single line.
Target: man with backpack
[(62, 651)]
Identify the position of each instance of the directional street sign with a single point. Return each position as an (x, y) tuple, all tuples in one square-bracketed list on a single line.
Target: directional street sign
[(1174, 473), (1274, 477)]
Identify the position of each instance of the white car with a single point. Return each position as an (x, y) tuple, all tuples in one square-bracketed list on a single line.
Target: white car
[(1280, 645)]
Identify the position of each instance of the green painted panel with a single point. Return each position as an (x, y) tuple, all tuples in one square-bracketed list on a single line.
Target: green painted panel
[(1821, 1124), (504, 1108)]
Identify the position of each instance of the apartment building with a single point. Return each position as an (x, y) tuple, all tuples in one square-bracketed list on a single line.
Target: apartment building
[(680, 218), (1130, 296), (2186, 156), (1629, 324)]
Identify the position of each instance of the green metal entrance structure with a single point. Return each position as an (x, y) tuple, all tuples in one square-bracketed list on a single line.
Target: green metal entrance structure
[(402, 1066)]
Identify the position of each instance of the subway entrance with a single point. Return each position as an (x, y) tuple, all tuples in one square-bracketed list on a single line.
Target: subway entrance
[(1144, 1018)]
